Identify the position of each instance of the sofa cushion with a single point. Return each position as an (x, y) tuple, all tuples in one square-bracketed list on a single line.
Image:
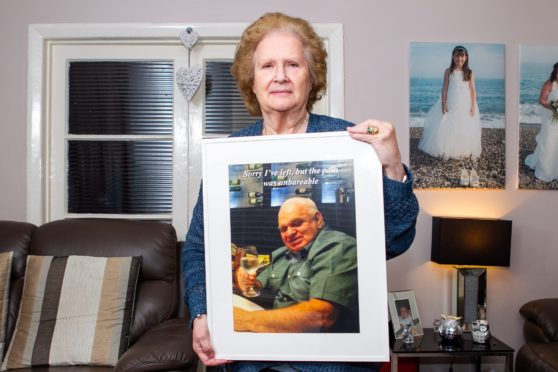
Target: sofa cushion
[(74, 310), (155, 242), (5, 270), (166, 347)]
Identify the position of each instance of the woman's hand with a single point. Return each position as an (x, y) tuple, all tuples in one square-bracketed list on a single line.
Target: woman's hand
[(384, 143), (444, 108), (472, 111), (201, 343)]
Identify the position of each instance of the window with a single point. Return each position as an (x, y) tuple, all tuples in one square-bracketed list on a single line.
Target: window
[(119, 175), (110, 133)]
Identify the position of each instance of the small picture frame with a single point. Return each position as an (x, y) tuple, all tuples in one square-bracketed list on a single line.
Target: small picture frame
[(403, 310)]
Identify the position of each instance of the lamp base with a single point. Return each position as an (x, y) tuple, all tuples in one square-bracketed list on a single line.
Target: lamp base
[(467, 327), (471, 295)]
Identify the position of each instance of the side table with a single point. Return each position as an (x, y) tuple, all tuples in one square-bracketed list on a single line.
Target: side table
[(430, 345)]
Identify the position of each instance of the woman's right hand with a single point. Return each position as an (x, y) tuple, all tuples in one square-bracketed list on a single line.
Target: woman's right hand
[(201, 343), (444, 108)]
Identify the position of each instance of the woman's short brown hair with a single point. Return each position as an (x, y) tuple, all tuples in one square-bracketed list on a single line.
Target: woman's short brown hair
[(314, 51)]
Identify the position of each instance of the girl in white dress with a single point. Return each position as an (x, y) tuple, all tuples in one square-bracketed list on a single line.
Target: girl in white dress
[(545, 158), (452, 127)]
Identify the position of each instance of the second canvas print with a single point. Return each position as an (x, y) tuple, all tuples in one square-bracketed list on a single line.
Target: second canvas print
[(457, 115), (538, 118)]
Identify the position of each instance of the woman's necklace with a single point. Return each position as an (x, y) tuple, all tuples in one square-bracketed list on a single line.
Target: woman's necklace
[(299, 127)]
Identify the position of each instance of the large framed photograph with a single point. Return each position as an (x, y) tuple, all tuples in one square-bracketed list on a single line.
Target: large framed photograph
[(295, 248), (403, 312)]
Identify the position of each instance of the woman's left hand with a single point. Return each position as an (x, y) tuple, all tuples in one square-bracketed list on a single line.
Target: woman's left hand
[(384, 141)]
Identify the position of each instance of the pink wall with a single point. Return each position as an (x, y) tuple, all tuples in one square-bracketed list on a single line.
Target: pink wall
[(377, 37)]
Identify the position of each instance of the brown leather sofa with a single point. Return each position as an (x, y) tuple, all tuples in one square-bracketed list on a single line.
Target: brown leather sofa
[(160, 339), (540, 352)]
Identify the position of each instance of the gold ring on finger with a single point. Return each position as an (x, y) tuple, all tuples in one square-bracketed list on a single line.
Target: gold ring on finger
[(373, 130)]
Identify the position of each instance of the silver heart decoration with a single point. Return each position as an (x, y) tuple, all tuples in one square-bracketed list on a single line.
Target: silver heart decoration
[(188, 80), (189, 37)]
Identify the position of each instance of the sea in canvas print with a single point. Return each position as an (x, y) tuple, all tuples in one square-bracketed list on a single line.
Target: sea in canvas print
[(490, 96)]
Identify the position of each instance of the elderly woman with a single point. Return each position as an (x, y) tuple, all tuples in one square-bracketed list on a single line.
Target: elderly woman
[(280, 68)]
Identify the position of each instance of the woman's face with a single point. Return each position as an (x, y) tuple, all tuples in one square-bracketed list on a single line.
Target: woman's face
[(281, 73), (459, 59)]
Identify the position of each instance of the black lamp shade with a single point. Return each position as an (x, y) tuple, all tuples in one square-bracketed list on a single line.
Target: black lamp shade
[(467, 241)]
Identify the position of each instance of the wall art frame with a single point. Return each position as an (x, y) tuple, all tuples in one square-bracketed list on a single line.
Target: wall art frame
[(455, 144), (538, 130)]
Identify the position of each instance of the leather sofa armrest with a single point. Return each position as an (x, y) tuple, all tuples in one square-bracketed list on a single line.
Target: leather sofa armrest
[(543, 313), (167, 347), (533, 333), (539, 357)]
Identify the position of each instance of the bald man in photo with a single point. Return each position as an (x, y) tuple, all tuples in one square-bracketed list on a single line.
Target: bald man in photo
[(314, 277)]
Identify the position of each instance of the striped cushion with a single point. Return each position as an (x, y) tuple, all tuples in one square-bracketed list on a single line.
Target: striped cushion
[(74, 310), (5, 271)]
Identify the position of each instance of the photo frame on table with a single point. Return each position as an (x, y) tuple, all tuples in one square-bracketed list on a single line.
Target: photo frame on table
[(245, 182), (403, 310)]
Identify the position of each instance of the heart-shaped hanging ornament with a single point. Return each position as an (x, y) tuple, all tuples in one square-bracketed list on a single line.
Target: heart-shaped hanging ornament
[(189, 37), (188, 80)]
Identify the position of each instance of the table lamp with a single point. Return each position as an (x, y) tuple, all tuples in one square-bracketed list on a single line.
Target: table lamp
[(470, 245)]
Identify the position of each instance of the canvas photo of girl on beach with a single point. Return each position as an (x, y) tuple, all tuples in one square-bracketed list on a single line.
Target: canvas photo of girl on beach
[(538, 118), (457, 115)]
